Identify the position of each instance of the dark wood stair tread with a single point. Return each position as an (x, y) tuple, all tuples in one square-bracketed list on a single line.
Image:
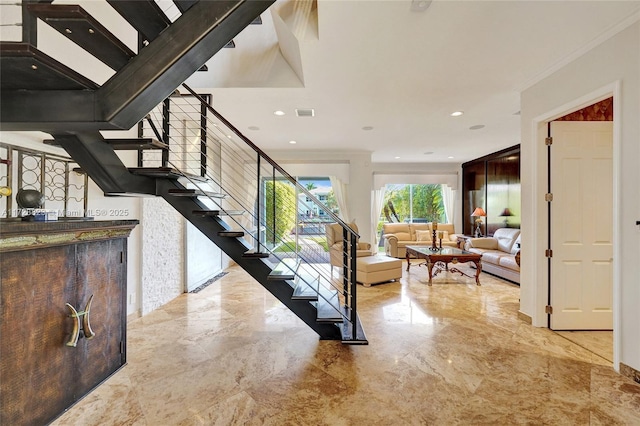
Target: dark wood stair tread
[(256, 254), (136, 144), (189, 192), (346, 330), (306, 287), (125, 144), (218, 213), (285, 270), (79, 26), (166, 172), (329, 306), (143, 15), (231, 234), (22, 66)]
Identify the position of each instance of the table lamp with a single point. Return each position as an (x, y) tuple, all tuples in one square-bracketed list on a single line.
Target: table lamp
[(506, 213), (478, 214)]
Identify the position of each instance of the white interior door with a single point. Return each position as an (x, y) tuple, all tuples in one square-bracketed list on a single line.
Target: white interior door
[(582, 225)]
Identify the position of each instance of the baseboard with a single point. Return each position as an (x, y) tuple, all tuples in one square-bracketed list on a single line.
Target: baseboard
[(134, 315), (524, 317), (630, 372)]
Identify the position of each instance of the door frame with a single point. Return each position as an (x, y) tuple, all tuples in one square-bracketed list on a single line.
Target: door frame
[(540, 220)]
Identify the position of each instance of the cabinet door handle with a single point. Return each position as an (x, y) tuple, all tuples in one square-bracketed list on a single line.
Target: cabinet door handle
[(86, 325), (73, 340)]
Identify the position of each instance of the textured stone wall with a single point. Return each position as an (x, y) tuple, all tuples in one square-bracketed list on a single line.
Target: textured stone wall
[(163, 260)]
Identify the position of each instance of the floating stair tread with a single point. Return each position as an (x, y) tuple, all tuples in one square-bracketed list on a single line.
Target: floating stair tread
[(22, 66), (136, 144), (188, 192), (256, 254), (79, 26), (219, 213), (285, 270), (232, 234), (125, 144), (143, 15), (166, 172), (306, 287), (329, 306), (346, 330)]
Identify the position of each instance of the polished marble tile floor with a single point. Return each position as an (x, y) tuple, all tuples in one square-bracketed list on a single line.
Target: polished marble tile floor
[(450, 354)]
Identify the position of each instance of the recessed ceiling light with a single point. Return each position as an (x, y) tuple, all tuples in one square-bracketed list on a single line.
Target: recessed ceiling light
[(457, 113), (293, 142), (428, 153), (229, 136), (278, 112), (450, 156), (254, 128), (367, 128), (397, 158), (476, 127)]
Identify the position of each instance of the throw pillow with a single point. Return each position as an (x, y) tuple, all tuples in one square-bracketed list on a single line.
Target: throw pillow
[(423, 235)]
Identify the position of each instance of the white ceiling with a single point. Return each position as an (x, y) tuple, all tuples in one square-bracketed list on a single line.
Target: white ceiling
[(377, 63)]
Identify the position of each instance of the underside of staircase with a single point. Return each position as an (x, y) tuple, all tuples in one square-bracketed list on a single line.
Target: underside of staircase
[(38, 93)]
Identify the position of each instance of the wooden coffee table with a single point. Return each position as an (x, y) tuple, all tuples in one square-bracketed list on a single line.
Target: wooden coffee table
[(440, 259)]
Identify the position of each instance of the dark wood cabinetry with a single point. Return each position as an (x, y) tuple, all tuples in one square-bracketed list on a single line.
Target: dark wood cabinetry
[(493, 183), (44, 266)]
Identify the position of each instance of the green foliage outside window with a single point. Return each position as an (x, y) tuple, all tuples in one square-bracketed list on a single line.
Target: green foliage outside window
[(285, 208), (426, 200)]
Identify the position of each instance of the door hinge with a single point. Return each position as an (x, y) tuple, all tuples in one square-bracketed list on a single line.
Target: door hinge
[(121, 257), (548, 141), (548, 309), (548, 197), (548, 253), (121, 347)]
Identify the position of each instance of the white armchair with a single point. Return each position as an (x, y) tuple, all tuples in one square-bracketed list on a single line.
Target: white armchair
[(334, 242)]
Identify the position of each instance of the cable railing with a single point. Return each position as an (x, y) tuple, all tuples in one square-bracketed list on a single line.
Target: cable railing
[(260, 198)]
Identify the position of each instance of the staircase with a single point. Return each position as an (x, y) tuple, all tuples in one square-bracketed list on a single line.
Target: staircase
[(223, 183)]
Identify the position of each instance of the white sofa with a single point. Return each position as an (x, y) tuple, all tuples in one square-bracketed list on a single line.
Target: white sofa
[(397, 236), (499, 253)]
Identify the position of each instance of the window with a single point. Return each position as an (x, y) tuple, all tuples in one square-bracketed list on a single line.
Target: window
[(413, 203)]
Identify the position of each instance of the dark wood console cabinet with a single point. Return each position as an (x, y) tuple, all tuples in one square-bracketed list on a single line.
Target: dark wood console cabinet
[(44, 266)]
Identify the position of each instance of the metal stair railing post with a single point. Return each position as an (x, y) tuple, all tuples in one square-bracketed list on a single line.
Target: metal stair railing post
[(166, 105), (273, 206), (352, 301), (258, 210), (203, 139)]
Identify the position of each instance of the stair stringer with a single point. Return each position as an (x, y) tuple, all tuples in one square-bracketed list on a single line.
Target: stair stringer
[(235, 248), (95, 156)]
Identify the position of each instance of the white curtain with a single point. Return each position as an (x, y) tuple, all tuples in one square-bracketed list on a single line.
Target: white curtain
[(449, 202), (340, 191), (377, 200)]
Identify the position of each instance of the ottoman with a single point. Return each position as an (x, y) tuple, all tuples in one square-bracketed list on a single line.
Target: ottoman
[(377, 269)]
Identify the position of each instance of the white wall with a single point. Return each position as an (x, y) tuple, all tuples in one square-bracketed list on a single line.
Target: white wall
[(613, 64), (163, 259)]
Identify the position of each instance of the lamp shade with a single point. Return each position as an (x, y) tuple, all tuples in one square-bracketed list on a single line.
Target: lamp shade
[(506, 212), (478, 212)]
